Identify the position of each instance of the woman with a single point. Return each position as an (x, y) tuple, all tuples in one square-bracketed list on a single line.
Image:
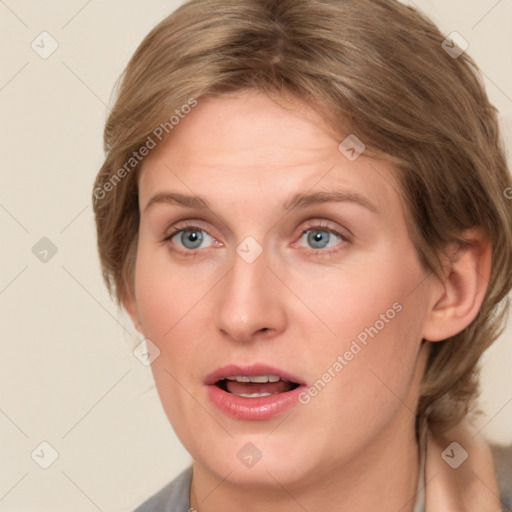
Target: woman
[(304, 209)]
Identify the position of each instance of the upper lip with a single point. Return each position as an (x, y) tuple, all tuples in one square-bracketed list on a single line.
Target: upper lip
[(233, 370)]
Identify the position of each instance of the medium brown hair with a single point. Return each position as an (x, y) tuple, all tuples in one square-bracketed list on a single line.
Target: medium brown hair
[(380, 71)]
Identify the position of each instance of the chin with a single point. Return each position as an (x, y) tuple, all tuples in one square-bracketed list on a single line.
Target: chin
[(260, 460)]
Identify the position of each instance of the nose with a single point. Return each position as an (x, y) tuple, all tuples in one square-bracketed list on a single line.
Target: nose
[(250, 302)]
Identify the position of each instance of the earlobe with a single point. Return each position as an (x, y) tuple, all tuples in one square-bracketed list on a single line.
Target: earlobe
[(466, 278)]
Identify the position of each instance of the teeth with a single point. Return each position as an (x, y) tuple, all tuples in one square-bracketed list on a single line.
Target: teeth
[(252, 395), (259, 379), (239, 379)]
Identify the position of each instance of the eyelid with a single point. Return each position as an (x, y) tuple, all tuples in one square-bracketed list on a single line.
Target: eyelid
[(184, 225), (321, 224)]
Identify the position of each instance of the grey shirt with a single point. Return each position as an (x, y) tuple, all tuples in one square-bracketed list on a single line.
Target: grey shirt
[(172, 498)]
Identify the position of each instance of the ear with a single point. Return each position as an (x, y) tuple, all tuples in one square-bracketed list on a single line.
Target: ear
[(458, 297), (130, 305)]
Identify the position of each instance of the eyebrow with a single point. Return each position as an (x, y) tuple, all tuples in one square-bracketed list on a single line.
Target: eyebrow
[(313, 198), (296, 201), (177, 199)]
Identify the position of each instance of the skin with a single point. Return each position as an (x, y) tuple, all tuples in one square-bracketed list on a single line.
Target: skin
[(293, 308)]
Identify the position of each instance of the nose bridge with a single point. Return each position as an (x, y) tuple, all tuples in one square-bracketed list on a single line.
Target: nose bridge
[(249, 300)]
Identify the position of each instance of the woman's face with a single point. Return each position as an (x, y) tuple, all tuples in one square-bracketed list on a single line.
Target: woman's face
[(268, 254)]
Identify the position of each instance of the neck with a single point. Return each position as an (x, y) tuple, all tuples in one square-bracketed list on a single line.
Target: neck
[(382, 476)]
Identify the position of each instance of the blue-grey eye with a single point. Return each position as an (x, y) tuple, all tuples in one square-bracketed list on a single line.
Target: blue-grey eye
[(192, 238), (320, 238)]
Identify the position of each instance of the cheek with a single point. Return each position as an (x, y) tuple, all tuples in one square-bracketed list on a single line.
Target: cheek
[(166, 300), (170, 300), (368, 297), (377, 383), (371, 388), (376, 312), (165, 294)]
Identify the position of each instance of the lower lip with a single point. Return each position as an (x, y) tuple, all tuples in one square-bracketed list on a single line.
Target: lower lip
[(254, 409)]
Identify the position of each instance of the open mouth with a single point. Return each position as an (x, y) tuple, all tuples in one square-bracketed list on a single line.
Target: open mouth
[(256, 386), (256, 392)]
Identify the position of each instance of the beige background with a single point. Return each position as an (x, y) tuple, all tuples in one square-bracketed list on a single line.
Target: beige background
[(67, 372)]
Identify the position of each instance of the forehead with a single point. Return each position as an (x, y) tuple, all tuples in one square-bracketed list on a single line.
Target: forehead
[(246, 142)]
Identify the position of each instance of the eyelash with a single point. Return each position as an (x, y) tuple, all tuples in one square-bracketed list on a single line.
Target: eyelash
[(319, 226)]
